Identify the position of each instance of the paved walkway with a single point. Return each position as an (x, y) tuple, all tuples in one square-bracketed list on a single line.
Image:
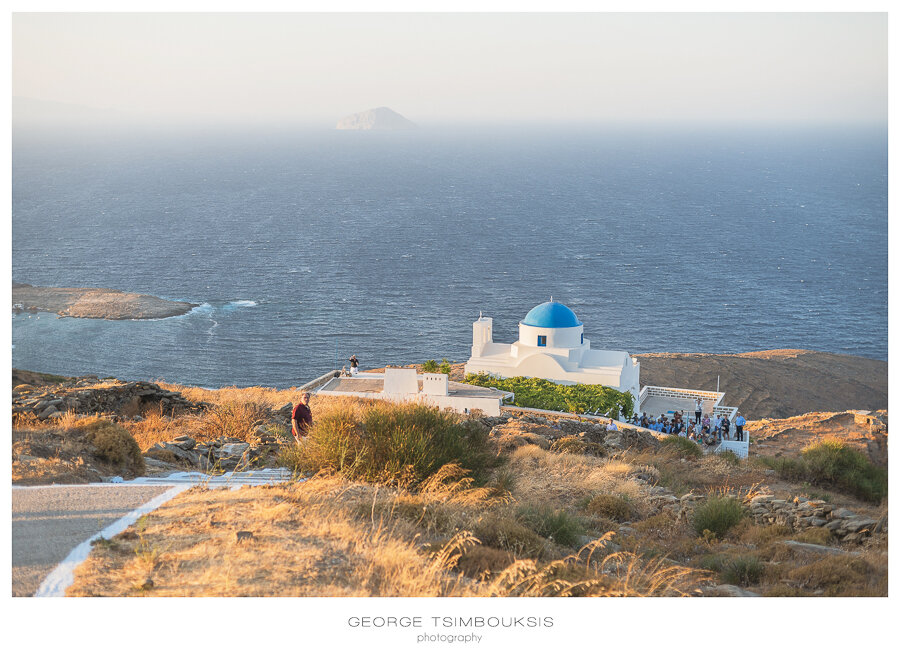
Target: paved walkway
[(52, 526)]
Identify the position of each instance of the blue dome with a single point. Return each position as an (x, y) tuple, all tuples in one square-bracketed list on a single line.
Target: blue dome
[(552, 314)]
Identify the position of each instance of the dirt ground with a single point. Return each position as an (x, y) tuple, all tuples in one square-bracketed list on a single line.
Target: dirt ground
[(775, 384), (864, 432)]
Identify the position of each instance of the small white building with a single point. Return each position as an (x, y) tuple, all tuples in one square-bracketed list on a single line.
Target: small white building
[(401, 385), (552, 345)]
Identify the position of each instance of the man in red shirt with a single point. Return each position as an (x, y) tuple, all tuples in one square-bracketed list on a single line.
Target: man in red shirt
[(301, 417)]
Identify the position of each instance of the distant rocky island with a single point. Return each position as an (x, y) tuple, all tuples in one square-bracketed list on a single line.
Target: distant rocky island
[(382, 118), (94, 303)]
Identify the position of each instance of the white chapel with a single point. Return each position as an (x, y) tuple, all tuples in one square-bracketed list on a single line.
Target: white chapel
[(551, 345)]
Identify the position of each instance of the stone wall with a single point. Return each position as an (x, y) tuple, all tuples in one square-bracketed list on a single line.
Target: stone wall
[(798, 514), (85, 397)]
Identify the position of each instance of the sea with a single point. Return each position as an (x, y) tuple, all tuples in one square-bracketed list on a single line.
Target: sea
[(302, 246)]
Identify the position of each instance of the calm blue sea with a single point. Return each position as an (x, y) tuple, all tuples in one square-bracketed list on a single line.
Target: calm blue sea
[(307, 246)]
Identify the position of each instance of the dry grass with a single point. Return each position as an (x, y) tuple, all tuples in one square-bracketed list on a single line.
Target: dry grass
[(73, 450), (516, 532), (563, 479), (317, 539), (267, 396)]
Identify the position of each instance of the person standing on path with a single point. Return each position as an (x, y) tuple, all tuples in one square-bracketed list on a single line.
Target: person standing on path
[(301, 418), (354, 365), (739, 423), (698, 410)]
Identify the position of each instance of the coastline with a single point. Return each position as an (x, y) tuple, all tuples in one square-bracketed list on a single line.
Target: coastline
[(95, 303)]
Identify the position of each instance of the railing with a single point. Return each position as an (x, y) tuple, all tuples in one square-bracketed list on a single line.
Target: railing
[(678, 392), (321, 380), (740, 448)]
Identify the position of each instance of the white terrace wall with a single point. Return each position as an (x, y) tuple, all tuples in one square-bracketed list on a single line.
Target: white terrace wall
[(677, 392)]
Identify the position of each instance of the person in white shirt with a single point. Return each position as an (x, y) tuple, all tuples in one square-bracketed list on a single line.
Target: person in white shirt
[(698, 410)]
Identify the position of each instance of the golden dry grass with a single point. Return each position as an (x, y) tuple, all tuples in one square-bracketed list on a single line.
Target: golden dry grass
[(73, 449), (325, 537), (562, 479), (269, 396)]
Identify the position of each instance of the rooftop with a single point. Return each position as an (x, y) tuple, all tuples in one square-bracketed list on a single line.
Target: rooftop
[(372, 384), (551, 314)]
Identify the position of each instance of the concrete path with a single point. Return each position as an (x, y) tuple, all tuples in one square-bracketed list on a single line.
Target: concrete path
[(52, 526), (48, 522)]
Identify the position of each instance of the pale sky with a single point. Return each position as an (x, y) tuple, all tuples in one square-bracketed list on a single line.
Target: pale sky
[(438, 68)]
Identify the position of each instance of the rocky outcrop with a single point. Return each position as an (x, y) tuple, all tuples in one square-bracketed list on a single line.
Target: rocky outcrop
[(382, 118), (865, 431), (222, 454), (89, 396), (94, 303), (797, 514), (565, 435)]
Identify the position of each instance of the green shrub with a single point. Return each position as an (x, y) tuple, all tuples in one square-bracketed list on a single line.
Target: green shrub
[(445, 367), (509, 534), (430, 367), (609, 506), (717, 515), (396, 443), (788, 468), (832, 463), (114, 444), (546, 395), (742, 570), (576, 445), (557, 525), (504, 481), (681, 446), (731, 457)]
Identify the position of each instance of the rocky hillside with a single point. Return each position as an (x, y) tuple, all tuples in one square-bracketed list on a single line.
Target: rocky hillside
[(864, 431), (775, 384)]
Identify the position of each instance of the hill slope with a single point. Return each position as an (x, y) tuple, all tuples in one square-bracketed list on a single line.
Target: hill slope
[(775, 384)]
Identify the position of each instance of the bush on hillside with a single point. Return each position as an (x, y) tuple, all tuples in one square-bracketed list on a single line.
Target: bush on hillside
[(681, 446), (555, 524), (616, 508), (717, 515), (547, 395), (396, 443), (743, 570), (114, 444), (832, 463)]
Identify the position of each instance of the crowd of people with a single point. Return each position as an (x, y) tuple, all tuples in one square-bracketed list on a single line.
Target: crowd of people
[(704, 428)]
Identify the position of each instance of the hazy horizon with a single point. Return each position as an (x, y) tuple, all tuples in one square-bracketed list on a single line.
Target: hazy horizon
[(450, 69)]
